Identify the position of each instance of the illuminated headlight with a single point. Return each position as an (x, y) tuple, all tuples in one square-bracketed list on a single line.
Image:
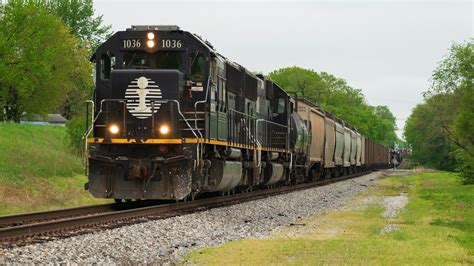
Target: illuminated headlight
[(150, 43), (150, 35), (114, 129), (164, 129)]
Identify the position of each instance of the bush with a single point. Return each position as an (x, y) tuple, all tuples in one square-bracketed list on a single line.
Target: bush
[(465, 167), (75, 130)]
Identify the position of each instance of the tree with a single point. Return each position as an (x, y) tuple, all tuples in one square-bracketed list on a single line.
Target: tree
[(79, 17), (450, 101), (40, 61), (386, 123), (336, 96), (423, 130), (304, 82), (455, 76), (463, 131)]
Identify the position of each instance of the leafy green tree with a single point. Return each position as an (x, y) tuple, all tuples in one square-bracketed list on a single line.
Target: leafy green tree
[(455, 71), (402, 144), (40, 61), (463, 131), (455, 76), (336, 96), (445, 120), (79, 17), (304, 82), (386, 123), (423, 130)]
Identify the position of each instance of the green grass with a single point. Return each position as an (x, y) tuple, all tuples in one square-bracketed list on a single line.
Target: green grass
[(436, 228), (38, 171)]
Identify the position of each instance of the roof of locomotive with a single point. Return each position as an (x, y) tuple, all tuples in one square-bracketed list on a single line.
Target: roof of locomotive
[(157, 29), (195, 37)]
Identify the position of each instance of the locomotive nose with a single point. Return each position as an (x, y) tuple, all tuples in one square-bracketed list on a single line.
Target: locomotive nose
[(149, 106), (151, 84)]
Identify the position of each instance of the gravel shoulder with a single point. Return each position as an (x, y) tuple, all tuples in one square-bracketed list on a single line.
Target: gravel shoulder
[(165, 241)]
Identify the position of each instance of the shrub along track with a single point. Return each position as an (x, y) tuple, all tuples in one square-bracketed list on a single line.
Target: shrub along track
[(23, 229)]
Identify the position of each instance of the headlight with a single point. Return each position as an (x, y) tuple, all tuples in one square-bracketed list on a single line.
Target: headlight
[(114, 129), (150, 43), (164, 129), (150, 35)]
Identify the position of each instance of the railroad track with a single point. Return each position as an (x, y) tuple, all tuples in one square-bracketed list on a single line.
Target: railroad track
[(35, 227), (9, 221)]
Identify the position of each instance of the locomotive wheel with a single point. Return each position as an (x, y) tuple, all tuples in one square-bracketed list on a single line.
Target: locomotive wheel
[(185, 199)]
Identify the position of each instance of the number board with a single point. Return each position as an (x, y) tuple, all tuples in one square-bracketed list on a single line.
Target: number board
[(161, 43), (136, 43), (170, 44)]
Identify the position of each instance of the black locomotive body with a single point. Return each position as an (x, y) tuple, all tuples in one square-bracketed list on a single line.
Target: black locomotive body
[(173, 119)]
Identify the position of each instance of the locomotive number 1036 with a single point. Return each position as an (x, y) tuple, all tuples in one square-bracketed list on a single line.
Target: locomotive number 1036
[(171, 43), (163, 43), (132, 43)]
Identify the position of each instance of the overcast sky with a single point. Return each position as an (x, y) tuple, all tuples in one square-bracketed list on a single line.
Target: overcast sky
[(388, 49)]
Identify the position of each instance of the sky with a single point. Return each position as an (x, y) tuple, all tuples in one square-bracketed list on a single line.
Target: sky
[(388, 49)]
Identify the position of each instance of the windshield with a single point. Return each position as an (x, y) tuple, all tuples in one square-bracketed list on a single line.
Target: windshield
[(136, 60), (158, 60), (168, 60)]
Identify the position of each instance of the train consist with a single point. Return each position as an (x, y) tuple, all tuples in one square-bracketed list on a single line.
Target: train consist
[(173, 119)]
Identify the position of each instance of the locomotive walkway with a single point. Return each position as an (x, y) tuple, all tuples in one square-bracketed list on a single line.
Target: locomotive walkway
[(36, 227)]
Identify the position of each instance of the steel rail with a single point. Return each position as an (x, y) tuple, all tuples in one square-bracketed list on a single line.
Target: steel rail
[(8, 234), (24, 218), (20, 219)]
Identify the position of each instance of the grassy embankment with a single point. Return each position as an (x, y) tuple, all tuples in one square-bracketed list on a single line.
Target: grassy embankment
[(38, 171), (436, 227)]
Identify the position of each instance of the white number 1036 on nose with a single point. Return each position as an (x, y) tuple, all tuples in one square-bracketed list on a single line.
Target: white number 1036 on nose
[(170, 43), (132, 43)]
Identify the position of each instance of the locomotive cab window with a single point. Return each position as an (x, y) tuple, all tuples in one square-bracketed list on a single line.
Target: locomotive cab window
[(105, 67), (198, 63), (168, 60), (112, 62), (281, 106), (136, 60), (158, 60)]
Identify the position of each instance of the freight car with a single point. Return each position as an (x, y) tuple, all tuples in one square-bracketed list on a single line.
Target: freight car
[(172, 118), (397, 156)]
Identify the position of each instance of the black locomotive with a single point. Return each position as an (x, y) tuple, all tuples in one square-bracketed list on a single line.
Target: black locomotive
[(172, 119)]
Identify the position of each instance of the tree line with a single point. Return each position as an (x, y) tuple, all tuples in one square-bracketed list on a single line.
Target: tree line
[(336, 96), (441, 129), (45, 46)]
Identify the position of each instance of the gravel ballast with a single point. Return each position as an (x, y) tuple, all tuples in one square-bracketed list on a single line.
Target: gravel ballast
[(164, 241)]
